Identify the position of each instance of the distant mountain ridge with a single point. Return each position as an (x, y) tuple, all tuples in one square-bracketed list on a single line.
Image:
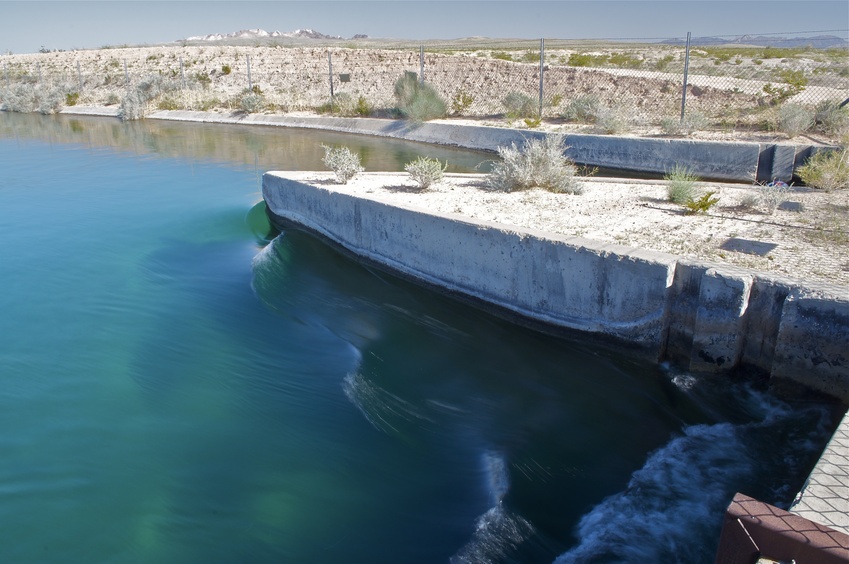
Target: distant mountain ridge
[(817, 42), (250, 34)]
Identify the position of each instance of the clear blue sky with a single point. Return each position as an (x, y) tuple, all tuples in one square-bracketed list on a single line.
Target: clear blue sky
[(25, 26)]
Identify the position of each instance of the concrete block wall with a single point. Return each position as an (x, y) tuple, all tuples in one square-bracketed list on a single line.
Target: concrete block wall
[(705, 317)]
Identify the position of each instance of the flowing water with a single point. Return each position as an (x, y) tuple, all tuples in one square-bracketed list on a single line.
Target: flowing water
[(178, 388)]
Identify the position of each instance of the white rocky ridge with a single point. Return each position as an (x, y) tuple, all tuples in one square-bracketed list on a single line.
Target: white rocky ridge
[(261, 33)]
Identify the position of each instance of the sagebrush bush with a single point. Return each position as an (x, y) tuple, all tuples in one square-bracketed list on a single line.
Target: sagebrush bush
[(343, 104), (693, 121), (583, 108), (426, 171), (680, 185), (461, 102), (251, 102), (539, 163), (771, 195), (136, 100), (613, 119), (342, 161), (793, 119), (416, 101), (520, 106), (827, 170), (831, 119), (34, 97)]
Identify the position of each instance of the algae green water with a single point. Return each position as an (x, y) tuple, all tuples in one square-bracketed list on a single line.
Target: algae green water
[(175, 388)]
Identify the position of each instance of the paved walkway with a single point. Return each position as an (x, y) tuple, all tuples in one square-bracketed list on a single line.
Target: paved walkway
[(825, 497)]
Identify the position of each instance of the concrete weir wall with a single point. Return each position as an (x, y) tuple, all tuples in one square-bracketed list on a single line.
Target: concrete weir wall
[(705, 317)]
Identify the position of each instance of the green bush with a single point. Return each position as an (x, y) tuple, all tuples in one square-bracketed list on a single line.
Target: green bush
[(827, 170), (71, 98), (520, 106), (703, 204), (540, 163), (501, 55), (586, 60), (680, 184), (426, 171), (416, 101), (344, 163), (225, 69), (461, 102)]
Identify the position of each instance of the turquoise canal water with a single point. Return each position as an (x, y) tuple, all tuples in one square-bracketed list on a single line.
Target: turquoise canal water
[(177, 388)]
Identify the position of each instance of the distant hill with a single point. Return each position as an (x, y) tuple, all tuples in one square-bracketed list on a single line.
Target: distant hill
[(261, 34), (816, 42)]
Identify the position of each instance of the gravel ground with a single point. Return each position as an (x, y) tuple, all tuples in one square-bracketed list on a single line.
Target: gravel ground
[(805, 239)]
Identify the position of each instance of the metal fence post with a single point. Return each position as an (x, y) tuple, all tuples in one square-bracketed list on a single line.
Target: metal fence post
[(6, 73), (541, 71), (686, 69), (38, 66), (330, 77), (250, 83), (126, 74), (79, 76), (182, 75), (421, 64)]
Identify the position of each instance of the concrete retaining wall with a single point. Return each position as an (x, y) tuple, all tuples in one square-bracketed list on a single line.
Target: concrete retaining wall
[(706, 317), (716, 160)]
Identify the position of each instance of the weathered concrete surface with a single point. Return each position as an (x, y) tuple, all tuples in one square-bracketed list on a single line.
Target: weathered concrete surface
[(718, 160), (706, 317), (571, 283)]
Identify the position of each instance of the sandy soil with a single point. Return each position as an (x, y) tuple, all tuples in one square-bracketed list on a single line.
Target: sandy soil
[(805, 239)]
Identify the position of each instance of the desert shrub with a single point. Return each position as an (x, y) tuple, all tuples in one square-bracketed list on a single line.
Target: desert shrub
[(417, 101), (539, 163), (135, 101), (794, 81), (827, 170), (112, 99), (203, 79), (71, 98), (168, 103), (586, 60), (701, 205), (770, 195), (680, 184), (625, 60), (793, 119), (51, 101), (225, 69), (344, 163), (530, 57), (583, 108), (250, 102), (461, 102), (344, 104), (662, 63), (520, 106), (693, 121), (831, 119), (612, 119), (21, 98), (501, 55), (425, 171)]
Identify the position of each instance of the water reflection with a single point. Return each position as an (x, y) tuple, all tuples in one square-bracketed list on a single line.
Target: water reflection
[(256, 147)]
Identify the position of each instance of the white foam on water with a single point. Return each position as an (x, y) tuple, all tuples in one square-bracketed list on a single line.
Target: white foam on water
[(384, 410), (675, 501), (499, 530)]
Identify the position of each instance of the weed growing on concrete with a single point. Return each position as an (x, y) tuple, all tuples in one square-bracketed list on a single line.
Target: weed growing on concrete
[(426, 171), (827, 170), (418, 101), (680, 184), (342, 161), (539, 163)]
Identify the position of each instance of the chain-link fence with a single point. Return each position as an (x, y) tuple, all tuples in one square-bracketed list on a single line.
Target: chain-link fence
[(588, 80)]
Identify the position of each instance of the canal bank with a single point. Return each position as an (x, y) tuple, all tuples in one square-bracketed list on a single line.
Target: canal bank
[(735, 161)]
